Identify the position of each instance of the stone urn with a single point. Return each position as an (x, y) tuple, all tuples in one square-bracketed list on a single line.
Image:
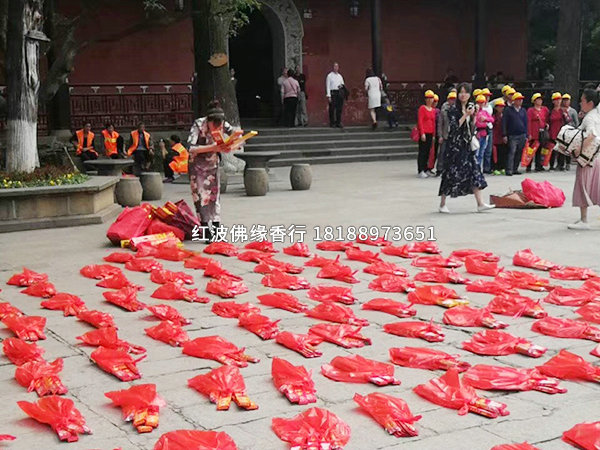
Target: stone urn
[(223, 179), (128, 191), (301, 177), (256, 182), (152, 185)]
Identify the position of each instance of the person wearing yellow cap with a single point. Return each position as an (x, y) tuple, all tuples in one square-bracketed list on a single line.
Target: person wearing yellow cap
[(483, 123), (476, 93), (557, 121), (426, 128), (514, 130), (443, 127), (538, 118), (507, 92)]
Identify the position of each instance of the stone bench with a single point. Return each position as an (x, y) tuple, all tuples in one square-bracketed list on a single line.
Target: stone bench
[(109, 167), (256, 160)]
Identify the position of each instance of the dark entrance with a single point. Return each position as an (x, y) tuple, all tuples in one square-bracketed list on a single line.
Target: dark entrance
[(251, 55)]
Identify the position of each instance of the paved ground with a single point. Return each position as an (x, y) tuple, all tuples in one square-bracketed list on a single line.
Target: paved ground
[(379, 193)]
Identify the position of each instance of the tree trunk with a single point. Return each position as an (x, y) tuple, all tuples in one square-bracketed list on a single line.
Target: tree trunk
[(568, 48), (23, 83)]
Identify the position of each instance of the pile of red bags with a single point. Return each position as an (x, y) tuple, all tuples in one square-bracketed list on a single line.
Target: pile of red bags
[(436, 261), (335, 246), (69, 304), (140, 405), (573, 273), (97, 319), (426, 358), (315, 428), (232, 310), (298, 249), (166, 312), (463, 253), (269, 265), (221, 248), (42, 377), (391, 413), (355, 254), (477, 265), (294, 382), (383, 267), (214, 269), (28, 328), (125, 298), (356, 369), (543, 193), (20, 352), (590, 312), (495, 287), (524, 280), (27, 278), (221, 386)]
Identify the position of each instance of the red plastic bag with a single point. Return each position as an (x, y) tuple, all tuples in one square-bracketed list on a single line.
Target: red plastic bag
[(525, 280), (283, 300), (217, 349), (543, 193), (440, 275), (194, 439), (383, 267), (280, 280), (573, 273), (26, 278), (529, 153), (500, 343), (466, 316), (6, 309), (356, 369), (132, 222), (526, 258), (492, 378), (143, 265), (117, 362), (391, 283), (319, 261), (569, 366), (298, 249), (43, 289), (221, 386), (426, 358), (270, 265), (139, 404), (592, 285), (214, 269), (294, 382), (374, 241), (435, 261), (596, 351), (516, 306), (365, 256), (7, 437), (166, 312), (570, 296), (108, 338), (165, 276), (184, 218), (428, 331), (232, 310), (522, 446), (566, 328), (424, 247), (347, 336), (314, 428), (390, 306), (336, 313), (197, 262), (335, 246), (495, 287), (301, 343), (97, 319), (436, 295), (254, 256), (449, 392), (99, 271), (158, 226), (170, 252), (20, 352), (260, 325), (118, 281), (338, 294), (168, 332), (69, 304), (226, 287), (28, 328), (584, 435), (338, 272), (477, 265), (125, 298), (176, 291), (41, 377), (261, 246), (60, 413), (119, 257), (391, 413), (221, 248), (402, 252), (590, 312)]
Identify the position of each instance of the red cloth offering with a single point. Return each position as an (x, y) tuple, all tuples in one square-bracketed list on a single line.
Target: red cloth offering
[(176, 291), (344, 335), (226, 287), (194, 439), (500, 343), (440, 275), (566, 328), (69, 304), (428, 331), (26, 278), (436, 295), (41, 377), (281, 280), (338, 294), (569, 366), (125, 298), (97, 319), (516, 306), (20, 352), (334, 312), (260, 325), (168, 332), (28, 328), (294, 382), (167, 312), (314, 428), (390, 306), (356, 369), (217, 349), (283, 300), (426, 358), (221, 248), (466, 316), (584, 435), (391, 283), (139, 404), (492, 378), (221, 386), (117, 362), (526, 258), (301, 343)]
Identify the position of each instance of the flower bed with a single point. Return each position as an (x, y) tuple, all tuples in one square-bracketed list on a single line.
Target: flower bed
[(42, 176)]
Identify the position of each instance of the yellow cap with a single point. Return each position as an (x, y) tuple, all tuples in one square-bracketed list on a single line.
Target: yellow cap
[(451, 95), (510, 91), (566, 97), (486, 92), (436, 98), (500, 103), (556, 96), (476, 92), (535, 96), (505, 88), (517, 96), (480, 98), (429, 93)]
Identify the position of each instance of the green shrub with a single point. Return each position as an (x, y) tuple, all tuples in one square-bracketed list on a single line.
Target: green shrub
[(42, 176)]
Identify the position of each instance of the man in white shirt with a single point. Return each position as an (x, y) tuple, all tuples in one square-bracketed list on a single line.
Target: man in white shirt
[(279, 105), (333, 86)]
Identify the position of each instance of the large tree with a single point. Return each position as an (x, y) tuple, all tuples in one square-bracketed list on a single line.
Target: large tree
[(568, 46)]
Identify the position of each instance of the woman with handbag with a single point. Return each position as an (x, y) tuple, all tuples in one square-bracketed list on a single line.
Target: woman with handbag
[(373, 89), (462, 175), (539, 121)]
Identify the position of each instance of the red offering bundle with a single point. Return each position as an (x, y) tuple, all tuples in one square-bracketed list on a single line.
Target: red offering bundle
[(108, 338), (294, 382), (139, 404), (232, 310), (592, 285), (217, 349), (197, 262), (221, 386), (143, 265), (254, 256), (526, 258), (283, 300), (356, 369), (117, 362), (449, 392), (347, 336), (338, 272), (428, 331), (260, 325), (365, 256), (168, 332), (194, 439), (573, 273), (570, 296), (596, 351), (119, 257), (522, 446), (314, 428), (426, 358), (435, 261), (390, 306), (402, 252), (117, 281), (424, 247), (493, 378), (60, 413), (7, 437), (590, 312), (221, 248), (176, 291), (69, 304), (166, 312), (391, 413), (132, 222), (566, 328), (270, 265), (569, 366), (524, 280), (477, 265), (170, 252), (500, 343), (298, 249), (440, 275), (214, 269), (391, 283), (383, 267), (226, 287), (166, 276), (319, 261), (99, 271), (495, 287), (43, 289), (261, 246), (97, 319), (516, 306), (338, 294), (6, 309), (334, 312), (436, 295), (301, 343), (26, 278), (42, 377), (20, 352), (466, 316), (335, 246), (280, 280), (28, 328), (584, 435), (125, 298)]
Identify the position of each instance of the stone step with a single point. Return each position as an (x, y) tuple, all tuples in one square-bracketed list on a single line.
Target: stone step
[(325, 145), (336, 159), (313, 152), (281, 131), (335, 136)]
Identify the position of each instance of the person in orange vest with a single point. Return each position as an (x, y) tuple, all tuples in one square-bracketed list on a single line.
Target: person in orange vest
[(142, 149), (175, 159), (113, 142), (83, 140)]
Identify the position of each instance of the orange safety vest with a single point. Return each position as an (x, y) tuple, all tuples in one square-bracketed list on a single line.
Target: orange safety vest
[(135, 137), (180, 162), (110, 142), (81, 147)]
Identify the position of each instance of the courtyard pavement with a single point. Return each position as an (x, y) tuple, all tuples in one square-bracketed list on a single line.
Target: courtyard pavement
[(370, 194)]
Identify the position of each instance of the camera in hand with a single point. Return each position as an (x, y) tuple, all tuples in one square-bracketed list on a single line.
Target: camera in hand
[(470, 105)]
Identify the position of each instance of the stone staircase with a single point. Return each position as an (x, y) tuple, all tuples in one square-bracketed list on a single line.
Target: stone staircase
[(332, 145)]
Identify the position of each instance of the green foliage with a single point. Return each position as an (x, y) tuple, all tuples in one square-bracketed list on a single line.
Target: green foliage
[(42, 176), (241, 17)]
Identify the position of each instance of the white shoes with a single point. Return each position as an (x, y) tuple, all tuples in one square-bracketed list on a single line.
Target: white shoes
[(444, 210), (485, 207), (422, 175), (579, 225)]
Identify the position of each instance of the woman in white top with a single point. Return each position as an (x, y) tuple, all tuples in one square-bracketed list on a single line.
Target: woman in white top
[(373, 87)]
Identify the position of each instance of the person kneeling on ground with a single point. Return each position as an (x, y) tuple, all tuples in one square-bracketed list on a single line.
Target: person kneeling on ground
[(175, 160)]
